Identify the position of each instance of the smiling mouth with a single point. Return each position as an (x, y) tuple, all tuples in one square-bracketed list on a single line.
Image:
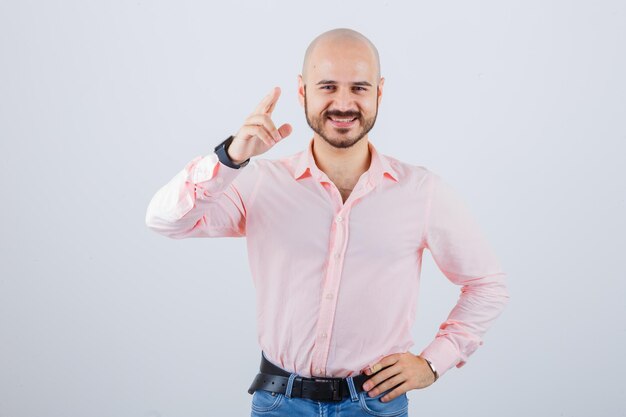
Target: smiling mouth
[(342, 121)]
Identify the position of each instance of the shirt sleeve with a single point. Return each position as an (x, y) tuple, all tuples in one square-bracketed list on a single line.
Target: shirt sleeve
[(463, 254), (202, 200)]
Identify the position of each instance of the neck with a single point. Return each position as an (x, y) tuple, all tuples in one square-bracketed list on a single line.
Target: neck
[(343, 166)]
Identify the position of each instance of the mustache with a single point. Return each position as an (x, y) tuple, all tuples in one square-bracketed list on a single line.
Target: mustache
[(341, 114)]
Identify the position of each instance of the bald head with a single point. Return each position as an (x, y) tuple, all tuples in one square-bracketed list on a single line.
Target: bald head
[(338, 39)]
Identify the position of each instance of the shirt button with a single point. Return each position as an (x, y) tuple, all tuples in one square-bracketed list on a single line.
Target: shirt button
[(323, 336), (337, 255), (319, 371), (339, 219), (329, 296)]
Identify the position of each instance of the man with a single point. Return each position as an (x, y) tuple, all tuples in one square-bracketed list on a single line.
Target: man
[(335, 239)]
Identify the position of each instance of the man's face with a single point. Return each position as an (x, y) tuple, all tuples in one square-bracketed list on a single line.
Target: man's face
[(341, 93)]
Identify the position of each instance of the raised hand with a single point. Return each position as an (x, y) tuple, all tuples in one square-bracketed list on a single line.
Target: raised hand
[(258, 133)]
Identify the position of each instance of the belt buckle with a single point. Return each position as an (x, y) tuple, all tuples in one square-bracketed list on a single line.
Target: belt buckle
[(336, 387)]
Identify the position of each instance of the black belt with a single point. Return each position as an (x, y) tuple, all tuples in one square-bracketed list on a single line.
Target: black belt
[(273, 378)]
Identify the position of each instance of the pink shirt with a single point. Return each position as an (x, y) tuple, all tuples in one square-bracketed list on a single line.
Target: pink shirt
[(337, 283)]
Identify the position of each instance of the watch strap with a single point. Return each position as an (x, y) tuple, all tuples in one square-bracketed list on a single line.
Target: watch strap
[(222, 154)]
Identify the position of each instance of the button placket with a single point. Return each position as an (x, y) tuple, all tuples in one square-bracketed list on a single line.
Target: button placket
[(333, 279)]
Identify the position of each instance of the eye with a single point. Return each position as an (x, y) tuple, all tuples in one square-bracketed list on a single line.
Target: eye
[(327, 86), (360, 88)]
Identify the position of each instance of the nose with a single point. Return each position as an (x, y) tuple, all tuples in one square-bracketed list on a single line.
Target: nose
[(344, 100)]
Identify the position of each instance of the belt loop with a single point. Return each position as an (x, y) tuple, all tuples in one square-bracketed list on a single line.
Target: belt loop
[(353, 394), (290, 385)]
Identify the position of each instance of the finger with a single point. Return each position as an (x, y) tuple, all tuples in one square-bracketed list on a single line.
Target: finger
[(395, 393), (375, 368), (379, 377), (387, 385), (265, 121), (384, 362), (268, 101), (260, 132), (275, 95), (260, 108), (285, 130)]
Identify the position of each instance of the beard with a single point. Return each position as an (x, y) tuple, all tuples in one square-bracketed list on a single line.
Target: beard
[(340, 137)]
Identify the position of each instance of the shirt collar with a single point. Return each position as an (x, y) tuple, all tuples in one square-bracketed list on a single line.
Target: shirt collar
[(379, 165)]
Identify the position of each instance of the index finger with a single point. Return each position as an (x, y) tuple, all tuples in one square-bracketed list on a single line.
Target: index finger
[(267, 104)]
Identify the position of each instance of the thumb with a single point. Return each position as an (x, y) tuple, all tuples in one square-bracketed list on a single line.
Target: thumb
[(285, 130)]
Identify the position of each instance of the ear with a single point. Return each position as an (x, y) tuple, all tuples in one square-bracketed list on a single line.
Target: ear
[(380, 89), (301, 90)]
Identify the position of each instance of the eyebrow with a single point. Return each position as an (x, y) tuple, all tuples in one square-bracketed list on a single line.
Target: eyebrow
[(335, 82)]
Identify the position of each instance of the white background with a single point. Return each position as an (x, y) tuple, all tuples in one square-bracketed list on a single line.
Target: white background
[(520, 105)]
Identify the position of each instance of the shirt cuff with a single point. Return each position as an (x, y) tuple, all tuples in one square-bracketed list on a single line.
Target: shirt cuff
[(210, 168), (443, 355)]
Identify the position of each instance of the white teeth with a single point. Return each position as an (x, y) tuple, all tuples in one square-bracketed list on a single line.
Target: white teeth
[(343, 120)]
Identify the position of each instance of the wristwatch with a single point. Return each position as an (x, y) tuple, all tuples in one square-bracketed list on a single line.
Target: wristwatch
[(222, 154), (432, 368)]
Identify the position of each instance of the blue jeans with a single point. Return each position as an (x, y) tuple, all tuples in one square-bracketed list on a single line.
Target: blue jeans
[(272, 404)]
